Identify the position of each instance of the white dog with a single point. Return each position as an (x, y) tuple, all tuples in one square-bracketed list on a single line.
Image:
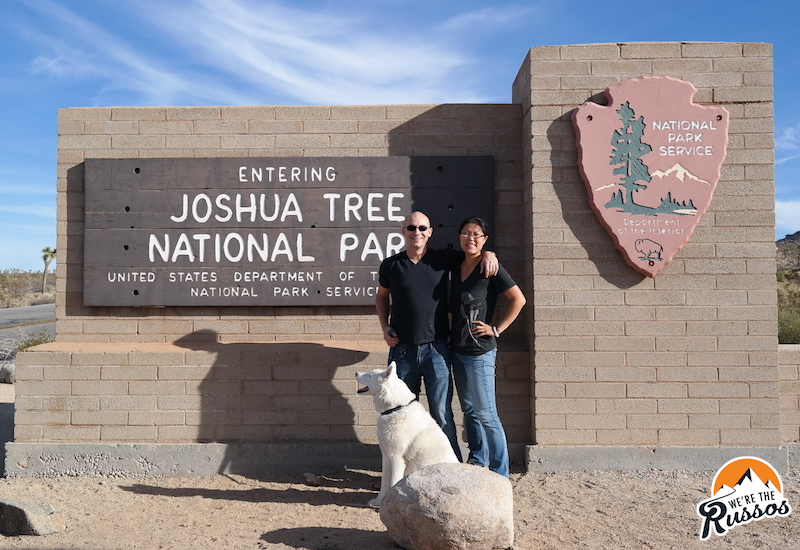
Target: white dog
[(408, 435)]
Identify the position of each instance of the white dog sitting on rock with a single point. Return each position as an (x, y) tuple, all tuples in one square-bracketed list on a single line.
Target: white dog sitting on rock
[(408, 436)]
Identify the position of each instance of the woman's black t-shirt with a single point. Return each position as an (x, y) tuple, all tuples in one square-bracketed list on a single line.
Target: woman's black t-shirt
[(474, 299)]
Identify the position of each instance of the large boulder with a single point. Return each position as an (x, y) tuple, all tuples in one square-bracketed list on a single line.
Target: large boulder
[(24, 518), (7, 372), (450, 507)]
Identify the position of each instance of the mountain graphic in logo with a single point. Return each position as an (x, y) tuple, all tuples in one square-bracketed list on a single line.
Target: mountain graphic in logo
[(679, 172), (748, 484), (745, 489)]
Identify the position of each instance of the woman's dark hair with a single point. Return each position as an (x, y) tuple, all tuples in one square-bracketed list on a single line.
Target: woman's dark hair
[(477, 221)]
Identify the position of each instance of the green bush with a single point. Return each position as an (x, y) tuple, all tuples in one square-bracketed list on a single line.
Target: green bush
[(24, 288), (34, 339), (21, 340), (788, 326)]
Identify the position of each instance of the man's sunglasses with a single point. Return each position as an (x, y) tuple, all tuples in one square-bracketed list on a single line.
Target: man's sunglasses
[(412, 228)]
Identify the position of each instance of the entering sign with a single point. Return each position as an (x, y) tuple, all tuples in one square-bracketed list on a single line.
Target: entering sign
[(264, 231)]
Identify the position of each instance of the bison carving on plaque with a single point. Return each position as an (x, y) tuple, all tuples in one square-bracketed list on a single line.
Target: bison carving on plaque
[(651, 160)]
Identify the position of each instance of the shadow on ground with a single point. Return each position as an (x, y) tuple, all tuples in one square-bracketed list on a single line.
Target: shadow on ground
[(349, 488), (329, 538)]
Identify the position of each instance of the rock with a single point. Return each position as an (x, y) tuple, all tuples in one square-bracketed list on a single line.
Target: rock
[(7, 373), (23, 518), (450, 507), (312, 479)]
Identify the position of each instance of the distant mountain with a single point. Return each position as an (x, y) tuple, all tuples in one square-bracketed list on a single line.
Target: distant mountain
[(788, 251), (794, 238)]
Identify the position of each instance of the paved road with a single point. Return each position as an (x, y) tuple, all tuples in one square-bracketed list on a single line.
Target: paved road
[(29, 314), (16, 322)]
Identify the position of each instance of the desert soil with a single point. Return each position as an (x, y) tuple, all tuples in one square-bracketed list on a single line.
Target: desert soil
[(594, 509)]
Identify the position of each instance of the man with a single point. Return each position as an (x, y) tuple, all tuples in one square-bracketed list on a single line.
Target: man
[(413, 291)]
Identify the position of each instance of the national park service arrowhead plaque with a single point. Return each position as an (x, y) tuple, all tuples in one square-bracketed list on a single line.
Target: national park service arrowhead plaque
[(650, 160)]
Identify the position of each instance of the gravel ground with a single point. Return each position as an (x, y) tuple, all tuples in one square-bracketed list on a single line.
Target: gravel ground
[(594, 509)]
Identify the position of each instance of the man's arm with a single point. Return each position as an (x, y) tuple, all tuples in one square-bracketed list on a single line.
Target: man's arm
[(383, 307), (489, 264)]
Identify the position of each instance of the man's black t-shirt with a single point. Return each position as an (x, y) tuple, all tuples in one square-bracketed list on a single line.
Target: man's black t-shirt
[(474, 299), (419, 294)]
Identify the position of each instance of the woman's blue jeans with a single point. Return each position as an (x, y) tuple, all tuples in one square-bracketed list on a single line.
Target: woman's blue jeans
[(475, 381), (431, 363)]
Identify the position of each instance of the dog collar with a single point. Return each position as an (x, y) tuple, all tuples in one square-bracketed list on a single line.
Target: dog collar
[(395, 409)]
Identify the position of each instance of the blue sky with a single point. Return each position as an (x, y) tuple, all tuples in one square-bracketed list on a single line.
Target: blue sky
[(90, 53)]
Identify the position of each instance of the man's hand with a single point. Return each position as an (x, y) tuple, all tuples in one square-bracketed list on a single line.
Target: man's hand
[(390, 337), (489, 264), (383, 307)]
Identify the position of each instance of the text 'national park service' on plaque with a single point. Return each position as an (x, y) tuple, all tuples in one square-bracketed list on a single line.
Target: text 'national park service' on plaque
[(166, 232)]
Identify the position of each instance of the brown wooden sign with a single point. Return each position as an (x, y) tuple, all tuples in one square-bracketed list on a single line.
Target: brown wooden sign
[(264, 231)]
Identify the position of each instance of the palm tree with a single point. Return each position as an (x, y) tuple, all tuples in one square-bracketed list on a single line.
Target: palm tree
[(48, 256)]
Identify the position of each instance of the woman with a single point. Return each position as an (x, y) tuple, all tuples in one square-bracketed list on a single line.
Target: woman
[(474, 346)]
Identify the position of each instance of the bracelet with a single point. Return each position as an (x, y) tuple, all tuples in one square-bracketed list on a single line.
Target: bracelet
[(496, 334)]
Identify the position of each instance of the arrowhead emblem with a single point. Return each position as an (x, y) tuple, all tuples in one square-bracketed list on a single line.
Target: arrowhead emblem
[(651, 160)]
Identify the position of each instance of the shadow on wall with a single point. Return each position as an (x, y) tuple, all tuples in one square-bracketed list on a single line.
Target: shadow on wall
[(269, 393), (578, 214), (6, 428)]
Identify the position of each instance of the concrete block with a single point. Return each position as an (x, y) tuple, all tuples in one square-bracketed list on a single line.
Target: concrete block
[(571, 458), (627, 437), (138, 142), (302, 112), (164, 127), (106, 127), (192, 113), (650, 50), (711, 50), (84, 142), (82, 114), (590, 51), (248, 112), (761, 437), (566, 437), (183, 145)]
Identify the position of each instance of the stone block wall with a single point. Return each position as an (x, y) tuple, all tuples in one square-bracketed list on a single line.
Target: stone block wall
[(247, 374), (685, 360), (688, 358), (789, 361)]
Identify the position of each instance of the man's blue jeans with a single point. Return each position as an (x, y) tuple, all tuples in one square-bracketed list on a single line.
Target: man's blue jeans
[(475, 381), (430, 363)]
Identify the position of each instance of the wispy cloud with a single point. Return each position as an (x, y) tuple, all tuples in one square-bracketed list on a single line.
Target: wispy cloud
[(787, 144), (248, 52), (118, 65), (789, 138), (318, 57), (786, 159), (487, 18)]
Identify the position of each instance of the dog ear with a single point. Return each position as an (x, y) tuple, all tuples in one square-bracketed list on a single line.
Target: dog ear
[(390, 370)]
